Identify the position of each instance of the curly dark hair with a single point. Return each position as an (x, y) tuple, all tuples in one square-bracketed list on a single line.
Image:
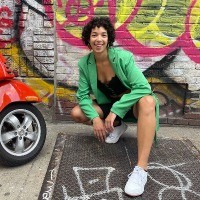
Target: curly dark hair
[(99, 22)]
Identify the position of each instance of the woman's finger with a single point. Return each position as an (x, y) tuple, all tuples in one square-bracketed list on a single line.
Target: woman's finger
[(108, 126)]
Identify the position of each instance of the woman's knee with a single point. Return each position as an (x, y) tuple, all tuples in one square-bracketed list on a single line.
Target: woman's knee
[(77, 115), (147, 104)]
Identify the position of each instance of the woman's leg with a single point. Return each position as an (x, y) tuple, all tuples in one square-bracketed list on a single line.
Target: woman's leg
[(103, 110), (78, 115), (144, 110)]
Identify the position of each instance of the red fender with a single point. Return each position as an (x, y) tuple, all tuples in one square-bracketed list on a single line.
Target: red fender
[(16, 91), (5, 71)]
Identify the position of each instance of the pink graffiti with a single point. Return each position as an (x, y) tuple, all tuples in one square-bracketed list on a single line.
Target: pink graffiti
[(5, 23), (184, 41), (80, 11), (123, 36), (190, 49), (18, 2)]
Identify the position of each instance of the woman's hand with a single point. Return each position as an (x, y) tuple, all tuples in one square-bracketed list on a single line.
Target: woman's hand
[(109, 121), (99, 129)]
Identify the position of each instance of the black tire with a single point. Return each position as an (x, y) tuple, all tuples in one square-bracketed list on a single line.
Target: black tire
[(22, 134)]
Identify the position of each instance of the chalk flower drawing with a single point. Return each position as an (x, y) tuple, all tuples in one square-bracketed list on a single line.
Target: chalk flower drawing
[(184, 183)]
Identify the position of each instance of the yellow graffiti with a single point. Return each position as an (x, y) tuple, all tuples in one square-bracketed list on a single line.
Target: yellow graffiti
[(160, 26), (44, 89), (195, 24), (63, 19), (60, 15), (124, 9), (162, 86), (157, 23)]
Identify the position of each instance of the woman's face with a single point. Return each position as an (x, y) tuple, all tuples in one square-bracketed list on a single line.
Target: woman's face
[(99, 39)]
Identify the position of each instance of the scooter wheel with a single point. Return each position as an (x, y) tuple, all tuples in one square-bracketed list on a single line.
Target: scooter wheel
[(22, 134)]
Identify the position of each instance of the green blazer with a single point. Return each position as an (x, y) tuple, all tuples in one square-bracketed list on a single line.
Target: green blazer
[(130, 75)]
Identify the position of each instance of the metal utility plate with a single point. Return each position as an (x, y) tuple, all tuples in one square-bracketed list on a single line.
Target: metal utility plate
[(81, 168)]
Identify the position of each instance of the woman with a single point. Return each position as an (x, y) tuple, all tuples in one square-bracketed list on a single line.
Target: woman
[(120, 90)]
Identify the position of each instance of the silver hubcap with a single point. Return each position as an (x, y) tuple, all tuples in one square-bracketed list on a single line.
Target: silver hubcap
[(20, 132)]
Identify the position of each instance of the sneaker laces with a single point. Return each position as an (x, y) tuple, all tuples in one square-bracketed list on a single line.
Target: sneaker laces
[(136, 176), (111, 135)]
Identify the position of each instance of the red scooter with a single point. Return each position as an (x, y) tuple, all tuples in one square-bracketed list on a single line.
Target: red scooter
[(22, 126)]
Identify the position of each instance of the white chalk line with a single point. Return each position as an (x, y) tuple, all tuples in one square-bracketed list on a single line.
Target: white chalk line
[(185, 183), (179, 176)]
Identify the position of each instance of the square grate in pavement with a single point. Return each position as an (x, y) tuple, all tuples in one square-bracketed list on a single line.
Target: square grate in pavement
[(81, 168)]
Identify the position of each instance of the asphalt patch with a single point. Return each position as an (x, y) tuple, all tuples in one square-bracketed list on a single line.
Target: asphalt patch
[(81, 168)]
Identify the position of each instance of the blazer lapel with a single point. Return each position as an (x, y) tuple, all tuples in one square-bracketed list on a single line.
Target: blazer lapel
[(113, 59), (92, 68), (93, 73)]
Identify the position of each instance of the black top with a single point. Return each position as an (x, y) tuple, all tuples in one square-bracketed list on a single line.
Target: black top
[(113, 89)]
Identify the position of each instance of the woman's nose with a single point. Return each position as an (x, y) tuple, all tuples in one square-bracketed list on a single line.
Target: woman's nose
[(99, 37)]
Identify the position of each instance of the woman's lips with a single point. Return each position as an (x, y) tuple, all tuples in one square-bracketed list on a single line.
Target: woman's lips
[(98, 45)]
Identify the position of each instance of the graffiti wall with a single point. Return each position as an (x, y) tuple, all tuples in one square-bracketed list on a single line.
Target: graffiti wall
[(41, 40)]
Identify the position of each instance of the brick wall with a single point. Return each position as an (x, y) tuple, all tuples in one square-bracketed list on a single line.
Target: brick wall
[(42, 44)]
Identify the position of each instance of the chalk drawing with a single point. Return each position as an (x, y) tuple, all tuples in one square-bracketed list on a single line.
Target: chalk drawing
[(184, 182), (84, 196), (47, 194)]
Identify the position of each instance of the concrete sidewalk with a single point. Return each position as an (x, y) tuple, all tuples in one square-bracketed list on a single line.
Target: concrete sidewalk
[(24, 182)]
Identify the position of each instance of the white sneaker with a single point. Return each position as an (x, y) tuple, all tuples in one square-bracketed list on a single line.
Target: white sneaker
[(136, 182), (116, 133)]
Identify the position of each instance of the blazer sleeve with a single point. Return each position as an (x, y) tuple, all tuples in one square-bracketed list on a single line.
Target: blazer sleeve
[(137, 83), (83, 95)]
